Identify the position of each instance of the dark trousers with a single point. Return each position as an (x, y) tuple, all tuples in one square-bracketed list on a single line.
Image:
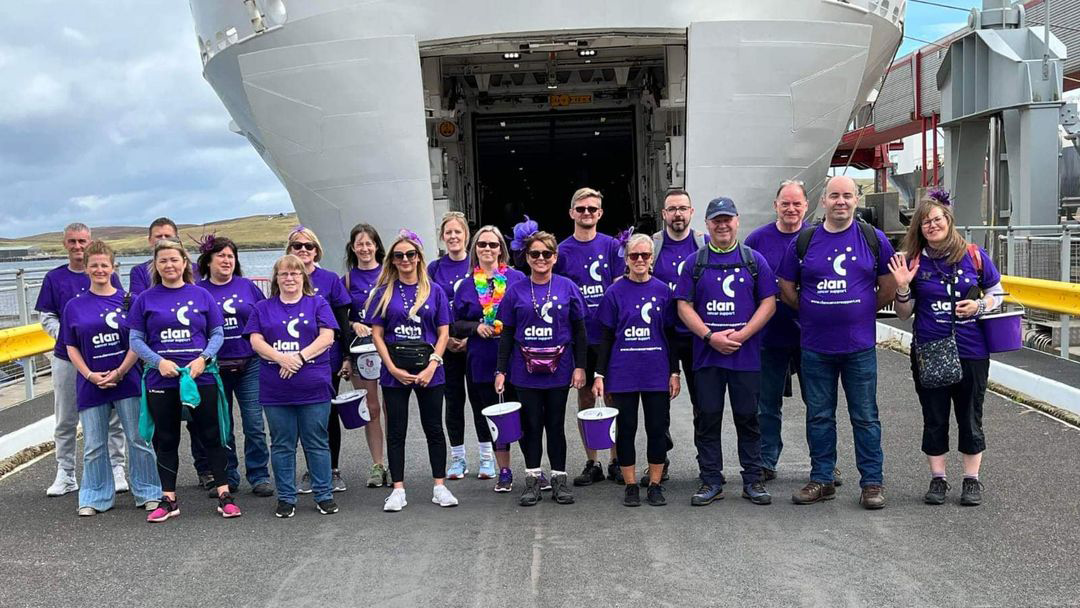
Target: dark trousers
[(396, 401), (333, 425), (481, 395), (684, 346), (742, 388), (657, 408), (965, 398), (777, 365), (455, 395), (544, 410), (165, 409)]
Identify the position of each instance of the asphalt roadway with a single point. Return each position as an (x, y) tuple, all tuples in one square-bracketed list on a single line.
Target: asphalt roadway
[(1020, 548)]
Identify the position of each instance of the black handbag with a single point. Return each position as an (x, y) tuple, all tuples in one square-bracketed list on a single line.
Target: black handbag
[(938, 361), (410, 355)]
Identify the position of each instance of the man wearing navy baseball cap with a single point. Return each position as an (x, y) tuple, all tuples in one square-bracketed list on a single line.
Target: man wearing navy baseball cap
[(725, 299)]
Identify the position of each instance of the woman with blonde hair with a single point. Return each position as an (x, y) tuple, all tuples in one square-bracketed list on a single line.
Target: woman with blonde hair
[(177, 329), (947, 284), (449, 271), (306, 247), (292, 332), (410, 325), (476, 309)]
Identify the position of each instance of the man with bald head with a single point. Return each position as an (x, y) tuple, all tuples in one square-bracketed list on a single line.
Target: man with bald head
[(836, 276), (60, 285)]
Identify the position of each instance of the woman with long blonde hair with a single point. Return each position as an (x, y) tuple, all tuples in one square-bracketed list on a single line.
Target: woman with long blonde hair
[(410, 325), (947, 284)]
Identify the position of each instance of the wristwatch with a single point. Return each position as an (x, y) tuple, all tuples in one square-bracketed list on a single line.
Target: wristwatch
[(707, 335)]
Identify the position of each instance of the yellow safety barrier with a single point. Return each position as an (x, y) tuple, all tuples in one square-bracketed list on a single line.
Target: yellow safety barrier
[(1054, 296), (25, 341)]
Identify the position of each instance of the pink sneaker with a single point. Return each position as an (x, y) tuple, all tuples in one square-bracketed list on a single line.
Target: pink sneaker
[(166, 509), (227, 507)]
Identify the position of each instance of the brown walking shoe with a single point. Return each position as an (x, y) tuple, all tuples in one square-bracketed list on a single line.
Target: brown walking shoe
[(873, 497), (814, 492)]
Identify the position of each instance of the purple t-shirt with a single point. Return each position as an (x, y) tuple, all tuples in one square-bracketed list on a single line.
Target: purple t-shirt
[(360, 284), (782, 331), (236, 300), (448, 275), (398, 326), (549, 323), (177, 323), (60, 285), (139, 277), (669, 260), (837, 283), (726, 299), (593, 266), (638, 313), (936, 287), (94, 326), (289, 328), (329, 286), (481, 354)]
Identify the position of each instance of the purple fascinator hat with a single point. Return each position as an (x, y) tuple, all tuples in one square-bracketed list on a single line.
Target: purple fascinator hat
[(522, 231)]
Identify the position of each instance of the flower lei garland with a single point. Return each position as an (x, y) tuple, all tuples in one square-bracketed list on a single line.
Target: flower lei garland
[(490, 296)]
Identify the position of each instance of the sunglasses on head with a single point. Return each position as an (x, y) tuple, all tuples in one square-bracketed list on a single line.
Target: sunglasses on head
[(536, 254), (487, 245), (586, 209), (299, 246), (401, 255), (639, 255)]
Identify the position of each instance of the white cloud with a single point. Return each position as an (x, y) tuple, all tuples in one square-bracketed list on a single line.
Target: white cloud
[(75, 36)]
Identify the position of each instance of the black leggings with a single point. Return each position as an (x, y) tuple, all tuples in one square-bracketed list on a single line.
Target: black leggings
[(657, 408), (333, 426), (543, 409), (482, 395), (396, 401), (454, 393), (165, 410)]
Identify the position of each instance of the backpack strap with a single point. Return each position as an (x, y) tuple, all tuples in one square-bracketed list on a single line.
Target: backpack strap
[(748, 259), (348, 275), (976, 257), (701, 261), (802, 242), (869, 234), (657, 245)]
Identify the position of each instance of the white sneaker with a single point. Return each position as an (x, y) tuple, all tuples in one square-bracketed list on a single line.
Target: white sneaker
[(119, 480), (396, 501), (64, 483), (87, 511), (441, 496)]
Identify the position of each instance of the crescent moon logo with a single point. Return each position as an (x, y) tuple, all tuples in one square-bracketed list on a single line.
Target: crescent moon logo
[(838, 265), (227, 306), (678, 271), (593, 271), (494, 430), (110, 320), (181, 316), (457, 284), (645, 312), (544, 312), (728, 291), (291, 328)]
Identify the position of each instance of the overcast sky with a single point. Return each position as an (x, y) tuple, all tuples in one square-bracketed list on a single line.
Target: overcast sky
[(105, 117)]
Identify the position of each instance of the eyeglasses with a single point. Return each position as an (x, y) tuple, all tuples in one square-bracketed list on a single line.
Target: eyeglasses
[(639, 256), (401, 255), (290, 275), (679, 209), (487, 245), (583, 209), (298, 246), (536, 254), (930, 221)]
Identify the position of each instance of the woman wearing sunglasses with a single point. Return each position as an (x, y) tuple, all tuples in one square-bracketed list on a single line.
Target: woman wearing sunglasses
[(476, 308), (363, 262), (305, 245), (542, 349), (636, 363), (410, 325), (449, 272)]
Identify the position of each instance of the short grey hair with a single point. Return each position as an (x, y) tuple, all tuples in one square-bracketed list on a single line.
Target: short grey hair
[(76, 227), (640, 237), (791, 182)]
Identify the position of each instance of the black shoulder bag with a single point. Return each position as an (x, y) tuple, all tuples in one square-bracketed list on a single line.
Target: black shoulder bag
[(938, 361)]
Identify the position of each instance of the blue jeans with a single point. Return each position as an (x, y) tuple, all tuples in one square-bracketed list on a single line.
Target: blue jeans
[(242, 386), (776, 365), (308, 424), (858, 373), (97, 489)]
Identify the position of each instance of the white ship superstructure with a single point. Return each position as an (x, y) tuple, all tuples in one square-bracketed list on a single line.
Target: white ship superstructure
[(391, 111)]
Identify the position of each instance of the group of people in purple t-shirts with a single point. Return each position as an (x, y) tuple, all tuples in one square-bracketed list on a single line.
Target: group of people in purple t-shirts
[(618, 320)]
